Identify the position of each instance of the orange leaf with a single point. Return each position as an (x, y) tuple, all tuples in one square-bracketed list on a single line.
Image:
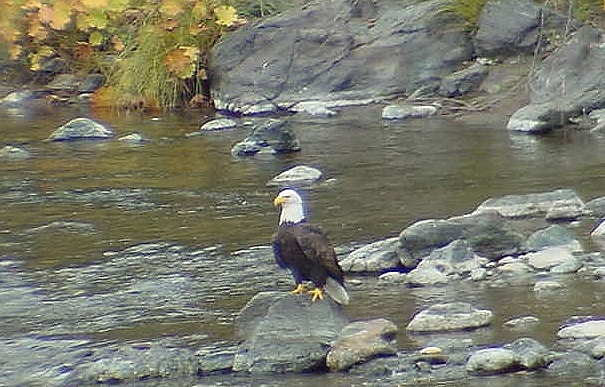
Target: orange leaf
[(181, 61)]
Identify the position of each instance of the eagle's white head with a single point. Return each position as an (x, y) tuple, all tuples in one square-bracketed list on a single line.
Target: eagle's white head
[(291, 206)]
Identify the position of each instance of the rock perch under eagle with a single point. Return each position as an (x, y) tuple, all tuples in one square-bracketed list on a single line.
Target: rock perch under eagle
[(305, 249)]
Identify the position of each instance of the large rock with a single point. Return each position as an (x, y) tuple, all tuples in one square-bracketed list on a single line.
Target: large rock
[(584, 330), (456, 259), (360, 341), (559, 91), (555, 235), (554, 205), (297, 176), (511, 26), (288, 334), (373, 258), (81, 129), (341, 50), (492, 361), (450, 317), (273, 134)]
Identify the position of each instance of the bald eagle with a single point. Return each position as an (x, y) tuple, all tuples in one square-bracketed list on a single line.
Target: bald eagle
[(305, 250)]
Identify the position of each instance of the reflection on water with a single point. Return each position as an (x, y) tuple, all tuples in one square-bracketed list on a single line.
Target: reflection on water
[(69, 208)]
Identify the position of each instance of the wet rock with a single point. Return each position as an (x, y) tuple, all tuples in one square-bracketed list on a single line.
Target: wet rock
[(254, 309), (598, 235), (463, 81), (274, 134), (16, 98), (91, 83), (326, 52), (575, 366), (490, 235), (546, 287), (522, 323), (400, 112), (583, 330), (595, 207), (449, 317), (558, 90), (14, 153), (315, 108), (297, 176), (64, 82), (426, 276), (530, 353), (456, 258), (129, 363), (424, 236), (219, 124), (135, 139), (215, 359), (293, 336), (81, 129), (373, 258), (565, 203), (360, 341), (492, 361), (555, 235), (549, 258)]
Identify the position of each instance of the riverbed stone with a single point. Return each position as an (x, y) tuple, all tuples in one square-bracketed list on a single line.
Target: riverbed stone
[(522, 323), (583, 330), (375, 257), (14, 153), (337, 50), (554, 235), (294, 335), (575, 365), (530, 353), (81, 129), (461, 82), (219, 124), (598, 235), (274, 134), (563, 202), (400, 112), (490, 361), (424, 236), (297, 176), (595, 207), (16, 98), (548, 258), (450, 317), (360, 341)]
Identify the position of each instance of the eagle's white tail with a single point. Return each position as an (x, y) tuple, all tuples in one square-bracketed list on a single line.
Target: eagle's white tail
[(337, 291)]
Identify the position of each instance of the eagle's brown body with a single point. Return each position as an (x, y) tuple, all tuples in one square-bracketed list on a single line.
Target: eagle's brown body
[(305, 249)]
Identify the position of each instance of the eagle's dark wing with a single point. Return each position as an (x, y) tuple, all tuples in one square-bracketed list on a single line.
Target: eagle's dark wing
[(317, 248), (277, 251)]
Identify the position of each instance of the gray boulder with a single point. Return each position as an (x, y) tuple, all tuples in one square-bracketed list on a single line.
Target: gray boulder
[(558, 90), (219, 124), (294, 335), (273, 134), (595, 207), (14, 153), (512, 26), (463, 81), (360, 341), (530, 353), (373, 258), (583, 330), (554, 235), (492, 361), (576, 366), (400, 112), (297, 176), (561, 204), (341, 50), (454, 260), (81, 129), (450, 317), (16, 98), (424, 236)]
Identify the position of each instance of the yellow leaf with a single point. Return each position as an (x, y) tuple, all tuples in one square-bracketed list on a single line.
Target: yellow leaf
[(96, 38), (181, 61), (226, 15)]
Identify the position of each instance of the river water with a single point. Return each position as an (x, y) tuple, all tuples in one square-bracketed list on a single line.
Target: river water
[(104, 243)]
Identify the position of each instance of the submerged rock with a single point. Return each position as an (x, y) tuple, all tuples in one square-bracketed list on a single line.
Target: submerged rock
[(274, 134), (294, 335), (400, 112), (492, 361), (14, 153), (219, 124), (297, 176), (81, 129), (450, 317)]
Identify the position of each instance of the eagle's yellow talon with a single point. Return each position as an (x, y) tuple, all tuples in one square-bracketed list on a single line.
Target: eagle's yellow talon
[(316, 294), (298, 289)]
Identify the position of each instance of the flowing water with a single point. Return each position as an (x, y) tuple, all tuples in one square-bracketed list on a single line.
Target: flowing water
[(105, 242)]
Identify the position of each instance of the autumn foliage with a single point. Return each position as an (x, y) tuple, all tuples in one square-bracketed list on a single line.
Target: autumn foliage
[(152, 52)]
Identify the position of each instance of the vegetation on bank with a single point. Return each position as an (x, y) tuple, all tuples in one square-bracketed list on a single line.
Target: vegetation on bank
[(153, 52)]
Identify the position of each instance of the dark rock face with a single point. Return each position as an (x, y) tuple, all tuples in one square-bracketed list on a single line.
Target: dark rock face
[(559, 90), (293, 336), (338, 50)]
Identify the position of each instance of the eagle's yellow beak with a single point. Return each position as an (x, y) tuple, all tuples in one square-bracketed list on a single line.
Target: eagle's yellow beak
[(279, 200)]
